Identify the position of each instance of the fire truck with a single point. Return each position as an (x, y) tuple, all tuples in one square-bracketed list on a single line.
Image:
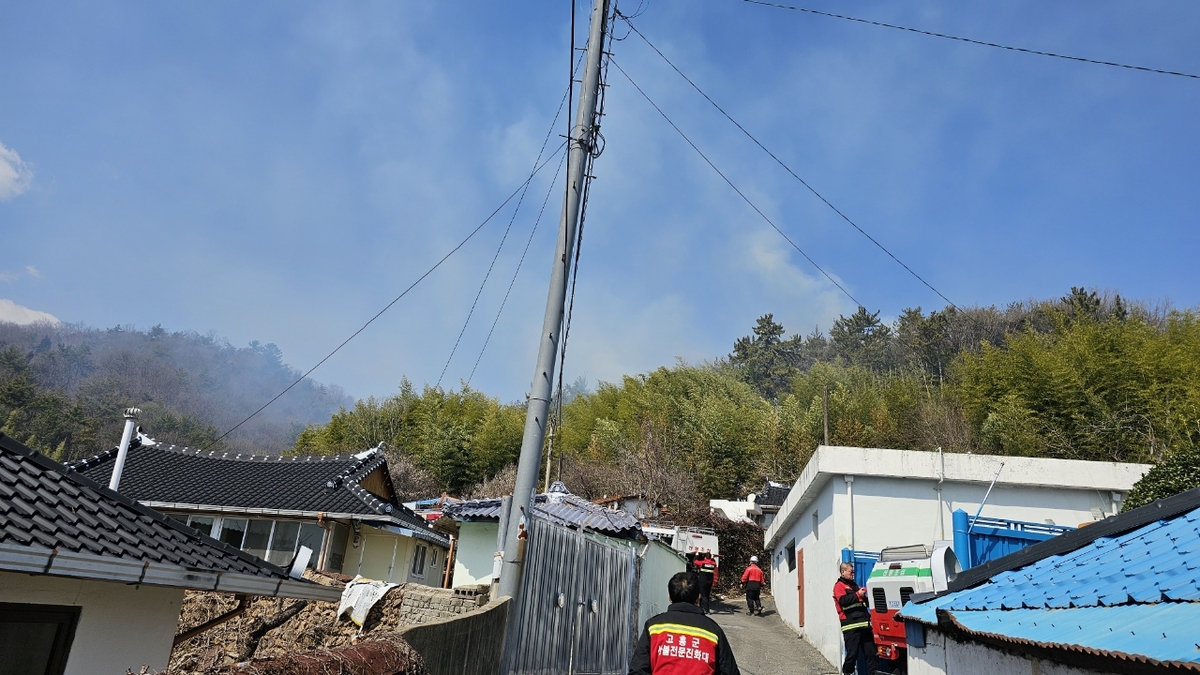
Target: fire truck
[(901, 572)]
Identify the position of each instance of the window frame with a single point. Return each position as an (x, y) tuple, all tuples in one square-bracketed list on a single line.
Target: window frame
[(418, 565), (67, 618)]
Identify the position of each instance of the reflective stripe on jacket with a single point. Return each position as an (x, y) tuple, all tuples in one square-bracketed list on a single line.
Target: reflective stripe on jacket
[(682, 641), (852, 612)]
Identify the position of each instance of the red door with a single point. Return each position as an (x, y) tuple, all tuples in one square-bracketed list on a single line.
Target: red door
[(800, 584)]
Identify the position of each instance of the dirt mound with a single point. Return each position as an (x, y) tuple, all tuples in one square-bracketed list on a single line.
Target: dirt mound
[(272, 628), (384, 654)]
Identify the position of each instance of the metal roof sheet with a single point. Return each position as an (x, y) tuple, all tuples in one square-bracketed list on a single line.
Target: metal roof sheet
[(558, 506), (1155, 562), (1134, 593), (1164, 631)]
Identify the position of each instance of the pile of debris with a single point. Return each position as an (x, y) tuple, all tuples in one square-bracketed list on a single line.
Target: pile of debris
[(273, 628)]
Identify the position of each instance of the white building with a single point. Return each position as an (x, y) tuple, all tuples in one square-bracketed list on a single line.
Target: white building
[(870, 499), (759, 508)]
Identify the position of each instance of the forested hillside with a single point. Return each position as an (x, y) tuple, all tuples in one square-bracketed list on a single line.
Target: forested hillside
[(63, 389), (1079, 377)]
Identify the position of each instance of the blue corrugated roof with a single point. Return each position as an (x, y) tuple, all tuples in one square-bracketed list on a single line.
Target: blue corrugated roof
[(558, 506), (1137, 592), (1163, 631)]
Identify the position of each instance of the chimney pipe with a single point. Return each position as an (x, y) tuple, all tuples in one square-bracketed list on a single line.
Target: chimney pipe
[(123, 450)]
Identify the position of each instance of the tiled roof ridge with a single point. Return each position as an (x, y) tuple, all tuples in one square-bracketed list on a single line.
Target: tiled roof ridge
[(98, 459), (81, 480), (587, 505), (359, 470)]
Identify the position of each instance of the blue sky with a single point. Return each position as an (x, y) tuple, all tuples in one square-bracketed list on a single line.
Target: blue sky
[(279, 171)]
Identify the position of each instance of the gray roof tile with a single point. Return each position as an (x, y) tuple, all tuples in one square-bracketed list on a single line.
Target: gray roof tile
[(98, 521), (301, 483), (559, 506)]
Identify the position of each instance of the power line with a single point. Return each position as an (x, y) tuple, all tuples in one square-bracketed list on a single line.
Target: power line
[(389, 305), (511, 220), (731, 184), (517, 271), (780, 162), (982, 43), (486, 276), (568, 98)]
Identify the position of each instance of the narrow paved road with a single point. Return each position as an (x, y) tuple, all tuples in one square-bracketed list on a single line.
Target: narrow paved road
[(763, 645)]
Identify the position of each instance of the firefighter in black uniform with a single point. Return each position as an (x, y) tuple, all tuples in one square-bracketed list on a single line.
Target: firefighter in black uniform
[(706, 568), (681, 640), (855, 618)]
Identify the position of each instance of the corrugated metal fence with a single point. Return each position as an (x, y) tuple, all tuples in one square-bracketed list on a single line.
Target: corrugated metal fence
[(979, 540), (577, 612)]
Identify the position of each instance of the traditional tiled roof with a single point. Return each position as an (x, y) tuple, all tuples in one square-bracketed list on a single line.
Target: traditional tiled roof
[(184, 477), (58, 522), (1127, 588), (773, 494), (559, 506)]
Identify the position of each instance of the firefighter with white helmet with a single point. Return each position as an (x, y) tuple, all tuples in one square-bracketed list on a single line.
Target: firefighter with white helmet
[(752, 581)]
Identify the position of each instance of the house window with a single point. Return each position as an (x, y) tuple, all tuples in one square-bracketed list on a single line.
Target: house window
[(233, 531), (258, 535), (336, 557), (203, 524), (816, 528), (311, 535), (418, 566), (36, 639), (283, 542), (791, 555)]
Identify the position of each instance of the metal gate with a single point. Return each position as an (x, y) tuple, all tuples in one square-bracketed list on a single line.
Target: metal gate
[(577, 609)]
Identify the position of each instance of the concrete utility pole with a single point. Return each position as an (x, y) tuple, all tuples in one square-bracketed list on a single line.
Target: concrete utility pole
[(581, 145)]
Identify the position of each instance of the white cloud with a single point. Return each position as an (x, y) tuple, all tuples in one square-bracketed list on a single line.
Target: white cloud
[(7, 276), (14, 313), (15, 174)]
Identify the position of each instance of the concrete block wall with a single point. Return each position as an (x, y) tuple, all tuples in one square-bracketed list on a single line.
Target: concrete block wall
[(422, 604)]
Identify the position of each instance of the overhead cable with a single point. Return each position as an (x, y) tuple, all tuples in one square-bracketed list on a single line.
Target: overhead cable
[(973, 41), (732, 185), (780, 162), (537, 221), (517, 271), (511, 220), (390, 304)]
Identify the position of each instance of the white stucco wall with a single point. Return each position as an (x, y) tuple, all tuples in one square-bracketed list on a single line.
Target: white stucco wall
[(943, 655), (821, 557), (474, 555), (388, 556), (121, 627), (659, 563), (895, 502)]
